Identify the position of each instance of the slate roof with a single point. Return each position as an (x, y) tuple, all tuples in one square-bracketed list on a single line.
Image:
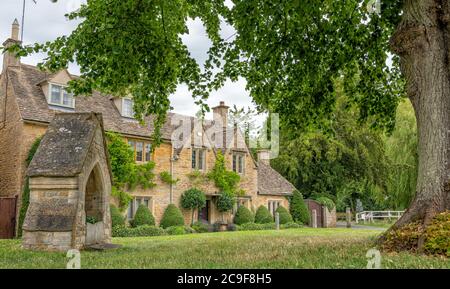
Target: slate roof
[(270, 182), (64, 147), (33, 105)]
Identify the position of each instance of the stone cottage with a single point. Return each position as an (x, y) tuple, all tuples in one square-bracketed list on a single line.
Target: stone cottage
[(30, 99)]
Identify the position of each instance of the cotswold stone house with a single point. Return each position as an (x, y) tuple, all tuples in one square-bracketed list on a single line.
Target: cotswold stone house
[(30, 99)]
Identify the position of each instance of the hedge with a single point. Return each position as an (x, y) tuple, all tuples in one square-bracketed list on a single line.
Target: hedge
[(141, 231), (285, 216), (298, 208)]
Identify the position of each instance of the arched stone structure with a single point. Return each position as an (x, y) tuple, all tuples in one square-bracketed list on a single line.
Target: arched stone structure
[(70, 186)]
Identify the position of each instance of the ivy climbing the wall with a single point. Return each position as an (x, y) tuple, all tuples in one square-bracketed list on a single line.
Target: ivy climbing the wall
[(26, 188), (127, 175), (225, 180)]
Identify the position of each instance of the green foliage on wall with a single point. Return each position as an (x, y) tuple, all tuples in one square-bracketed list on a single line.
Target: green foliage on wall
[(117, 219), (225, 201), (127, 175), (26, 188), (167, 178), (327, 202), (224, 179)]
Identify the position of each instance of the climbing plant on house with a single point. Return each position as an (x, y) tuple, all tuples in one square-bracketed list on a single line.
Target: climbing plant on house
[(224, 180), (26, 188), (127, 175)]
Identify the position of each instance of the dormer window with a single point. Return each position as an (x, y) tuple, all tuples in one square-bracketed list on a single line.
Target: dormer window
[(59, 96), (127, 107)]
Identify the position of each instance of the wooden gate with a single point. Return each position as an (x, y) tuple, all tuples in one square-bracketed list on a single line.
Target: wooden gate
[(313, 205), (7, 217)]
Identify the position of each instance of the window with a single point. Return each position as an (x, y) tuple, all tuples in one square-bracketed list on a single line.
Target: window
[(238, 163), (135, 203), (148, 151), (59, 96), (198, 159), (273, 206), (127, 107), (142, 150)]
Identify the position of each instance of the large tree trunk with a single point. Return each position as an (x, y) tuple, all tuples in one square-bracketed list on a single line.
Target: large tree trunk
[(422, 42)]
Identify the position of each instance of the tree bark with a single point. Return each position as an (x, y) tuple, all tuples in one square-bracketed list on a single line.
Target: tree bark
[(422, 43)]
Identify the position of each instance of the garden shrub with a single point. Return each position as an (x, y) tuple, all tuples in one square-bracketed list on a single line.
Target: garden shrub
[(179, 230), (263, 216), (298, 208), (193, 199), (172, 217), (243, 215), (142, 217), (285, 216), (116, 217), (327, 202), (200, 227), (437, 234), (256, 227), (290, 225), (141, 231)]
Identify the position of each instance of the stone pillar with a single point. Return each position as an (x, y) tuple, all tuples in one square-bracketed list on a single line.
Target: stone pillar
[(348, 214), (277, 220), (314, 219)]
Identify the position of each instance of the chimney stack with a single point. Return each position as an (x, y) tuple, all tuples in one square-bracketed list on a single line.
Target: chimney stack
[(10, 59), (264, 156), (220, 114)]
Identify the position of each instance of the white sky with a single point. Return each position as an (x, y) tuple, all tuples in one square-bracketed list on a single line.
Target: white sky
[(45, 21)]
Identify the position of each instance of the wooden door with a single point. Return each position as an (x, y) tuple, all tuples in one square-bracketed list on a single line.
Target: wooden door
[(7, 217)]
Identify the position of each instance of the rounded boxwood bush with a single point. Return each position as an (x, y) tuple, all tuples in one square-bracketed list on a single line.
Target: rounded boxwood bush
[(290, 225), (200, 227), (116, 217), (142, 217), (285, 217), (298, 209), (263, 216), (172, 217), (243, 215)]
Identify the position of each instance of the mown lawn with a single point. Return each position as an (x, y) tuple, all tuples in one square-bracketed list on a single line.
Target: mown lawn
[(293, 248)]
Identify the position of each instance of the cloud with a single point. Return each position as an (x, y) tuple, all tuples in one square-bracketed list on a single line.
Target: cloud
[(46, 21)]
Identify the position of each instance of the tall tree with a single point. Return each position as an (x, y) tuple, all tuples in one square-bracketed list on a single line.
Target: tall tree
[(290, 51)]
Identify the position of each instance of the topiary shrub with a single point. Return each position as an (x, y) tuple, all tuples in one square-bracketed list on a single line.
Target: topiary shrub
[(200, 227), (116, 217), (179, 230), (243, 215), (193, 199), (437, 241), (285, 216), (298, 209), (172, 217), (263, 216), (141, 231), (142, 217)]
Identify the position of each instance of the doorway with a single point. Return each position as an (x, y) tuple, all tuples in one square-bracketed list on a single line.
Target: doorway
[(94, 207), (7, 217), (203, 214)]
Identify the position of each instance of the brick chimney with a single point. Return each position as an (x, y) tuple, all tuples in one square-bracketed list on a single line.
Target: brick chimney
[(10, 59), (264, 156), (220, 114)]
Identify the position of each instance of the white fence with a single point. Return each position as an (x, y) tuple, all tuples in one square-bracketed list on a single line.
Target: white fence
[(371, 215)]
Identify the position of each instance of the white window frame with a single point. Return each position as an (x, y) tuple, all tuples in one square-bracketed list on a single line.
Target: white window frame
[(124, 99), (271, 207), (63, 88)]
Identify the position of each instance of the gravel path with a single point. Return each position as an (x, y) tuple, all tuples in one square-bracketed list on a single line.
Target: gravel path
[(359, 227)]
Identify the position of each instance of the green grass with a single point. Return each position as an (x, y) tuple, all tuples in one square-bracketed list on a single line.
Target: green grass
[(293, 248), (378, 224)]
